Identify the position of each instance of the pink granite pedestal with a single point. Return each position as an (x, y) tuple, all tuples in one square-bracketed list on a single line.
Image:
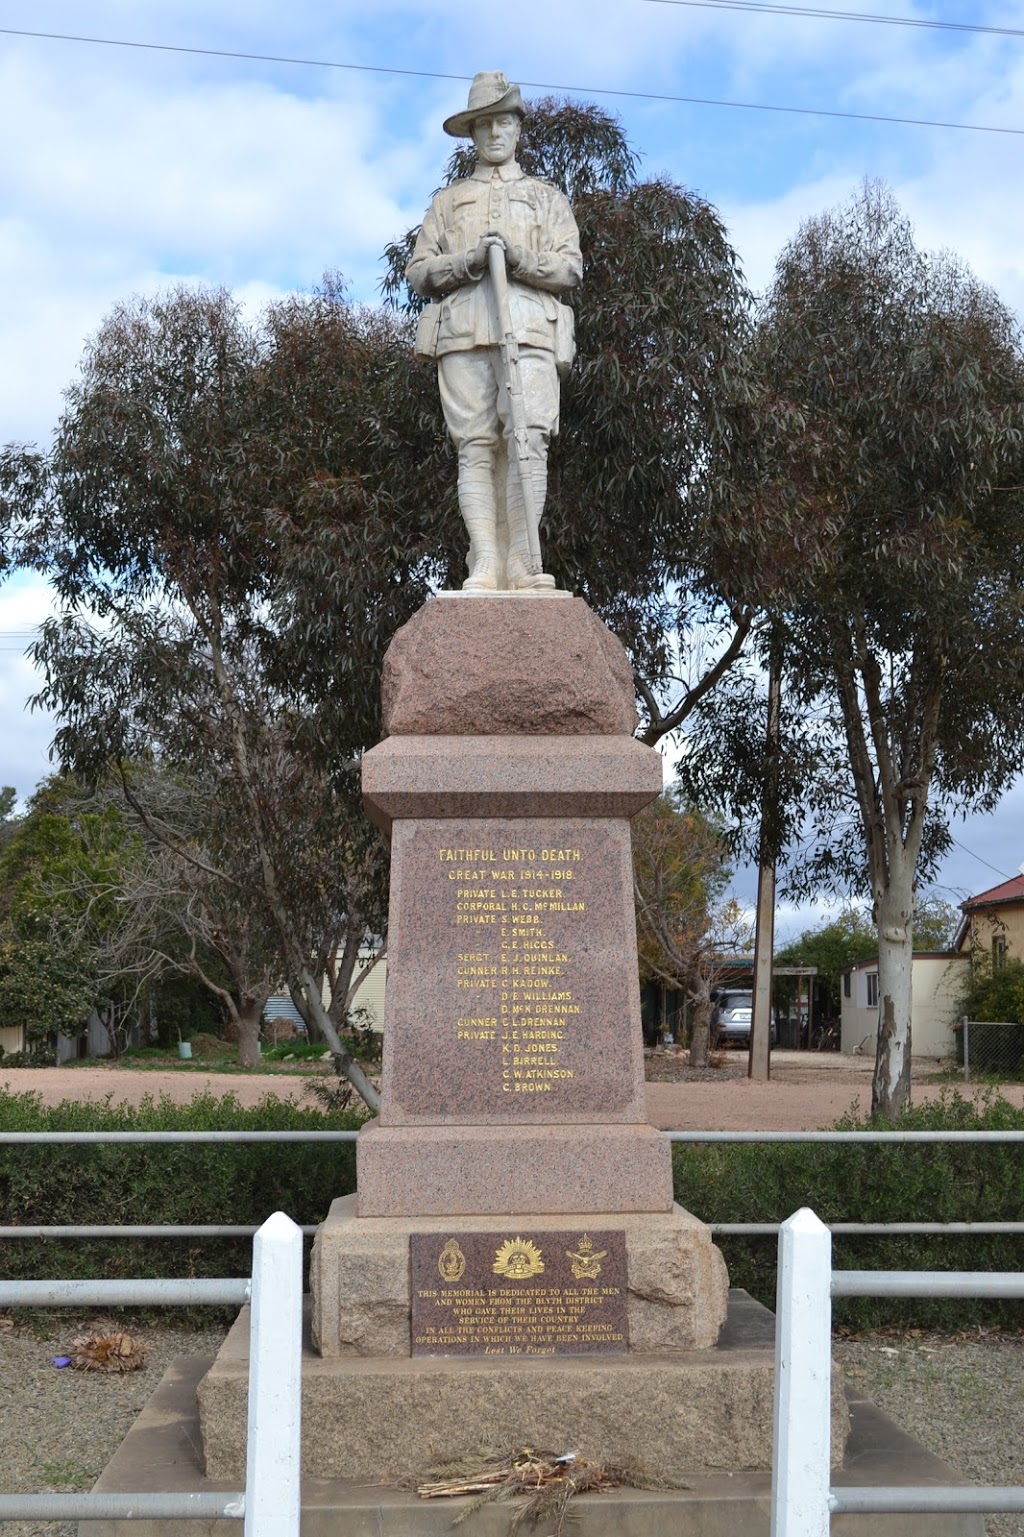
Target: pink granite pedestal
[(512, 1101), (513, 1061)]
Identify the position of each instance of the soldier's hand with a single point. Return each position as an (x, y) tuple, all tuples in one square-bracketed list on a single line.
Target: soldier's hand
[(476, 261), (513, 258)]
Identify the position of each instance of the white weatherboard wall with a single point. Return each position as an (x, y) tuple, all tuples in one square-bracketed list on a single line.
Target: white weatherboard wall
[(371, 992), (936, 980)]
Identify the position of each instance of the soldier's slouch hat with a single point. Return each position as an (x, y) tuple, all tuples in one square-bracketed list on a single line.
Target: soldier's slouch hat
[(489, 94)]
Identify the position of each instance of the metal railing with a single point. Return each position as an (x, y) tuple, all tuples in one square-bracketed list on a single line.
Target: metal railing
[(718, 1229), (269, 1506), (803, 1498)]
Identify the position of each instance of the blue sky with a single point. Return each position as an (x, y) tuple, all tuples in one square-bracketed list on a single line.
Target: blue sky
[(128, 170)]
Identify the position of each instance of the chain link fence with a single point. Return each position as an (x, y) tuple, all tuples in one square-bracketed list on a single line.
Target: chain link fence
[(990, 1049)]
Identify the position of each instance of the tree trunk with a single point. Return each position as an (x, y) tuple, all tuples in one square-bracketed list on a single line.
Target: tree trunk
[(890, 1089), (248, 1021), (700, 1026), (345, 1064), (298, 998)]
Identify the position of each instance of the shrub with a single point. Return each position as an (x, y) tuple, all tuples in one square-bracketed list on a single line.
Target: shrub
[(176, 1183), (992, 992), (940, 1182), (36, 1054)]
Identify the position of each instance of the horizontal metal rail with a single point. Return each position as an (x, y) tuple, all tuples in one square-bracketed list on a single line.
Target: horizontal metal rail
[(880, 1500), (162, 1293), (927, 1283), (897, 1138), (719, 1229), (142, 1230), (860, 1229), (130, 1231), (113, 1507), (83, 1138)]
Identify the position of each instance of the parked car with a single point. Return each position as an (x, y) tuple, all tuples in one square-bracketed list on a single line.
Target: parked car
[(730, 1022)]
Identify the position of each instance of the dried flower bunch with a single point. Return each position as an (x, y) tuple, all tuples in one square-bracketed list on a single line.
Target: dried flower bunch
[(108, 1353), (544, 1481)]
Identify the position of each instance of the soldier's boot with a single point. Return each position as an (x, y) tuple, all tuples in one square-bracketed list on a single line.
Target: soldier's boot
[(479, 513), (525, 571)]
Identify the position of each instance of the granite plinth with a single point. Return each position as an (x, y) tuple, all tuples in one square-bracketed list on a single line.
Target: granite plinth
[(162, 1451), (496, 776), (496, 1170), (513, 995), (509, 667), (677, 1287), (388, 1418)]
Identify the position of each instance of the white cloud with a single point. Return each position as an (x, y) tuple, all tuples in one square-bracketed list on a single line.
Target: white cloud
[(25, 602)]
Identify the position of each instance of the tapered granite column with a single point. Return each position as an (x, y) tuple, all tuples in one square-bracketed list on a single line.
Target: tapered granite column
[(513, 1064)]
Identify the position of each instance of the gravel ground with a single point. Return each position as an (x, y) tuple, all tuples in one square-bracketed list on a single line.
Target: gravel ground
[(962, 1398), (59, 1427)]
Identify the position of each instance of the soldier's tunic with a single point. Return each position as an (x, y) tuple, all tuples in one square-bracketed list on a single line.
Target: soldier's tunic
[(536, 217)]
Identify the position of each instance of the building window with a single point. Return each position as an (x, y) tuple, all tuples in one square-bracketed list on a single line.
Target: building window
[(998, 951), (872, 989), (846, 984)]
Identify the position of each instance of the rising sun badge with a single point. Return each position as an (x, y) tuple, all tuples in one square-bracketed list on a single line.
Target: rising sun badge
[(518, 1259), (586, 1262)]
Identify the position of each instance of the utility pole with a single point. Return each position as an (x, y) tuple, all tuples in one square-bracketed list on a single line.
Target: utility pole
[(759, 1060)]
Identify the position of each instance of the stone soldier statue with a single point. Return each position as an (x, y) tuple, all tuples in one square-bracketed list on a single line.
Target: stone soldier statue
[(495, 251)]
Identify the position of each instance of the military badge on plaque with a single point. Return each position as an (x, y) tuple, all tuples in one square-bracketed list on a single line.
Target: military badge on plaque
[(451, 1263), (518, 1259), (586, 1261)]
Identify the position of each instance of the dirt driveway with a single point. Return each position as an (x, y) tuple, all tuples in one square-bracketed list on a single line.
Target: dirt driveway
[(807, 1090)]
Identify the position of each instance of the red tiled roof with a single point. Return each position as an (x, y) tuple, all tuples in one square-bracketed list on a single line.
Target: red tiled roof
[(1009, 891)]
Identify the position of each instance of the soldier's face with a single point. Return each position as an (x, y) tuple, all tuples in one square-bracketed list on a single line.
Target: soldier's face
[(496, 137)]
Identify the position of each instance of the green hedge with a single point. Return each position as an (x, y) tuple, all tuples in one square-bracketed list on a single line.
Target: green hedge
[(943, 1182), (244, 1183), (50, 1185)]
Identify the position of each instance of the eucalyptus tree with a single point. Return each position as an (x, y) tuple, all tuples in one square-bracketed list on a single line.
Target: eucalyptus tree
[(188, 469), (884, 525), (687, 927)]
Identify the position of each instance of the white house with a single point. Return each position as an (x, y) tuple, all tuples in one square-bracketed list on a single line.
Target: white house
[(935, 980)]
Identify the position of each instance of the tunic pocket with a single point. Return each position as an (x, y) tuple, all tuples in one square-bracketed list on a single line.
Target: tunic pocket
[(427, 328), (565, 340)]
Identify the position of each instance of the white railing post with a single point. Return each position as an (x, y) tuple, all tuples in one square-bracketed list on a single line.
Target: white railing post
[(274, 1447), (801, 1443)]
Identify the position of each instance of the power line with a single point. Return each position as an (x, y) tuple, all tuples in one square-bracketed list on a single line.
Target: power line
[(994, 868), (818, 14), (534, 85)]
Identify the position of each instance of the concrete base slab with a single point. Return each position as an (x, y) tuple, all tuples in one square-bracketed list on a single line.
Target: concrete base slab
[(391, 1418), (162, 1452), (359, 1277)]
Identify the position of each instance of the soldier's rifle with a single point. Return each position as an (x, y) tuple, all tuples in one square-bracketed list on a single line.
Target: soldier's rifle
[(517, 400)]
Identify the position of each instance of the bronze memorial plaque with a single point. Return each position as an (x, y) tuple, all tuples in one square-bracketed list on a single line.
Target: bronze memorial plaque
[(515, 1293)]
